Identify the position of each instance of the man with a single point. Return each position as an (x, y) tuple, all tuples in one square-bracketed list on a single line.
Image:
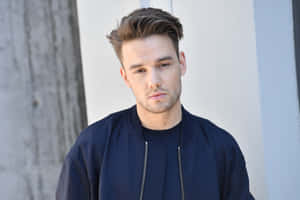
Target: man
[(155, 150)]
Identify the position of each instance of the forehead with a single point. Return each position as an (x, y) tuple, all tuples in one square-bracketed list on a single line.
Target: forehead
[(147, 49)]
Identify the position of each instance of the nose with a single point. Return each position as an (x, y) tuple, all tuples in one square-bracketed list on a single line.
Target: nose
[(154, 79)]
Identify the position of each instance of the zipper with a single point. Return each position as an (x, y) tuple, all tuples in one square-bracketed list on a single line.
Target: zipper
[(144, 170), (180, 172)]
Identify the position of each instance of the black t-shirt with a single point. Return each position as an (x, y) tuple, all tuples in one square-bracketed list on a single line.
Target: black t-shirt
[(162, 175)]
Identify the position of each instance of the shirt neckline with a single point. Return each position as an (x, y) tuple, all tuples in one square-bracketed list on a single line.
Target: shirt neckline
[(163, 131)]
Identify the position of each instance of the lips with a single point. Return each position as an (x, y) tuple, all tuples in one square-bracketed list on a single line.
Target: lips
[(157, 96)]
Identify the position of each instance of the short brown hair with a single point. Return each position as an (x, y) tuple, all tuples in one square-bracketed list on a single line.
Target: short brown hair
[(144, 22)]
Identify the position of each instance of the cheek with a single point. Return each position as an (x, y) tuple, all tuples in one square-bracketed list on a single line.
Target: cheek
[(174, 79), (137, 87)]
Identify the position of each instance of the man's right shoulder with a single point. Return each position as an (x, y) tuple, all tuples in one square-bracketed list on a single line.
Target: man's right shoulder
[(95, 136), (103, 126)]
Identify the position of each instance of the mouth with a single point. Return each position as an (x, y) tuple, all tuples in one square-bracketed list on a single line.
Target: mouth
[(157, 96)]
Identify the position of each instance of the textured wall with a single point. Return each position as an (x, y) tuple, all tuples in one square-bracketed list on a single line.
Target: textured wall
[(41, 94)]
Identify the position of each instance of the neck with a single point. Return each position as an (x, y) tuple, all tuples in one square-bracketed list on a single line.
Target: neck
[(160, 121)]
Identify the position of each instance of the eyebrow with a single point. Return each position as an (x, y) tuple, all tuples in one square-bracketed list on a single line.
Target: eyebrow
[(158, 60)]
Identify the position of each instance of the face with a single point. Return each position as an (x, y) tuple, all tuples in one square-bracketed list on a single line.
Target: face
[(153, 71)]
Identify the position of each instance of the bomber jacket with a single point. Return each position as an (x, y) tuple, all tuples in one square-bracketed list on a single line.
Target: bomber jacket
[(109, 161)]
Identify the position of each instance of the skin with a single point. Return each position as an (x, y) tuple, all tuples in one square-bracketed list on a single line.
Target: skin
[(152, 69)]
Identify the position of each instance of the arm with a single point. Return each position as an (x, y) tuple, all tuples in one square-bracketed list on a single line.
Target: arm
[(73, 182), (79, 178), (236, 181)]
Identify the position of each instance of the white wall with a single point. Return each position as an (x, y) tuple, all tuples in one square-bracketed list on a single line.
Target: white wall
[(278, 97), (222, 83), (105, 91), (222, 78)]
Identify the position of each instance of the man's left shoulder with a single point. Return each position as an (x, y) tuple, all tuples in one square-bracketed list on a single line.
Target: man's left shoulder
[(219, 136), (222, 142)]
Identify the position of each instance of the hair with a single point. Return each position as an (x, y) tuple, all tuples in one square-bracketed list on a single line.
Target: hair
[(145, 22)]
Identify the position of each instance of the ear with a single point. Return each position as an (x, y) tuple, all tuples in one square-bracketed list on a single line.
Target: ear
[(124, 76), (182, 63)]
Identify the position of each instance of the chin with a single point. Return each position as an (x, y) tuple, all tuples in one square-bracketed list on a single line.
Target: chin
[(158, 108)]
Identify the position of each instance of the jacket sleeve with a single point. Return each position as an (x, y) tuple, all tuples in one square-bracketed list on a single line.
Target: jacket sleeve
[(73, 182), (236, 181)]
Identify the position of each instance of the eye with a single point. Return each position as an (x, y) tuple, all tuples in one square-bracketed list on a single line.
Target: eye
[(141, 70), (164, 64)]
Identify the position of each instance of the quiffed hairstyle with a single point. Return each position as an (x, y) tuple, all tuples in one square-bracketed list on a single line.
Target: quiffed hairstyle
[(144, 22)]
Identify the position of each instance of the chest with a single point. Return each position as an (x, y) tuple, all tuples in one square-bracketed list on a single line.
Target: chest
[(124, 168)]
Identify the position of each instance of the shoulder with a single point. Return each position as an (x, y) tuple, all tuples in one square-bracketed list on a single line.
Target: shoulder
[(225, 146), (104, 126), (221, 136), (230, 161), (217, 136), (95, 136)]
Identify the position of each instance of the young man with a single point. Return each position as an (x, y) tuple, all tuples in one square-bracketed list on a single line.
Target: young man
[(155, 150)]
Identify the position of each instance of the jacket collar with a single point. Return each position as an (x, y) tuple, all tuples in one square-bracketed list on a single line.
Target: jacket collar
[(136, 123)]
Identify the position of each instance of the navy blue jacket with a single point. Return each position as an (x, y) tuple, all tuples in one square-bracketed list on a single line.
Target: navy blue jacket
[(109, 159)]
